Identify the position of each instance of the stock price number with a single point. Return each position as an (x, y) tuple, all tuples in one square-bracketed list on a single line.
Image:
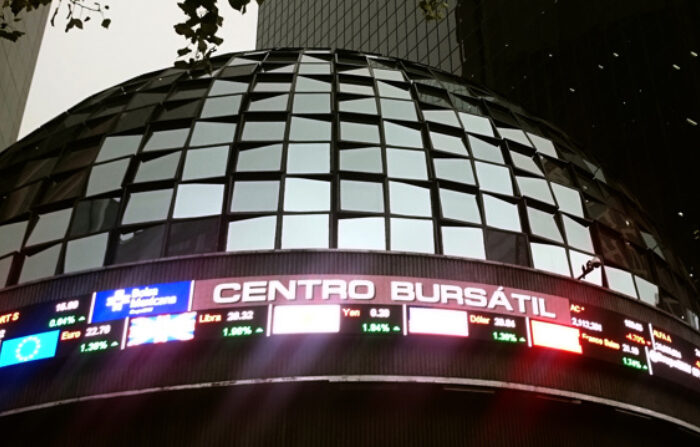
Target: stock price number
[(379, 312), (240, 315), (94, 331)]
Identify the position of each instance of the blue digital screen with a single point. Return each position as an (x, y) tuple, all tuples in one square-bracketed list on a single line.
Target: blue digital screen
[(28, 348), (172, 297), (161, 329)]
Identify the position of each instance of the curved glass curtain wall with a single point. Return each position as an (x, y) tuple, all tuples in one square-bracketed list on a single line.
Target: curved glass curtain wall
[(295, 149)]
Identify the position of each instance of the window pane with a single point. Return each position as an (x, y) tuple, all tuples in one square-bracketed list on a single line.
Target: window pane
[(363, 133), (160, 168), (410, 200), (577, 235), (320, 69), (305, 129), (227, 88), (459, 206), (366, 233), (221, 106), (361, 196), (107, 177), (414, 235), (86, 253), (51, 226), (302, 194), (406, 164), (347, 87), (400, 110), (447, 117), (361, 160), (620, 281), (389, 75), (252, 234), (312, 103), (5, 266), (94, 215), (303, 158), (305, 231), (454, 169), (485, 151), (263, 130), (205, 163), (543, 145), (390, 91), (11, 237), (568, 199), (397, 135), (501, 214), (550, 258), (542, 224), (41, 264), (494, 178), (516, 135), (305, 84), (448, 143), (463, 242), (648, 292), (140, 244), (509, 248), (535, 188), (579, 260), (147, 206), (266, 158), (272, 87), (270, 104), (525, 163), (476, 124), (195, 236), (364, 105), (255, 196), (166, 139), (119, 146), (206, 133), (195, 200)]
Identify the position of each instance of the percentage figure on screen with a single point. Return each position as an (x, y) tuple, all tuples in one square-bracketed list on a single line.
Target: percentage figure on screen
[(507, 337), (62, 321), (376, 328), (94, 346), (237, 331), (633, 363)]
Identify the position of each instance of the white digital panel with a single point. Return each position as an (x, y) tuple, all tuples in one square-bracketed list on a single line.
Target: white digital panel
[(437, 322), (306, 319)]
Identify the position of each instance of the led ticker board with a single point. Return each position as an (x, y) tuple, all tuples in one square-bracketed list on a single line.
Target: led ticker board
[(673, 358), (161, 328), (141, 301), (29, 348)]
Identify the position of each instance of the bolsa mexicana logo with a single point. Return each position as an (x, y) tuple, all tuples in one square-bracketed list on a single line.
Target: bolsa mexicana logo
[(153, 299)]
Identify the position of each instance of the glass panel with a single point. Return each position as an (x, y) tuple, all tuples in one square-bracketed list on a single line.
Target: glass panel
[(312, 103), (448, 143), (535, 188), (476, 124), (620, 281), (364, 105), (166, 139), (11, 237), (364, 133), (366, 233), (359, 89), (361, 196), (501, 214), (196, 236), (272, 87), (255, 196), (119, 146), (263, 130), (205, 163), (5, 266), (407, 164), (206, 133), (50, 226), (463, 242), (94, 215), (107, 177), (543, 224), (221, 106), (305, 84), (577, 235), (302, 194), (303, 158), (550, 258), (389, 75), (509, 248), (271, 104), (494, 178), (568, 199), (41, 264), (252, 234), (319, 69), (648, 292), (446, 117), (578, 261), (390, 91), (196, 200), (410, 200), (86, 253), (354, 71), (516, 135), (227, 88), (147, 206), (400, 110), (140, 244), (543, 145), (397, 135), (454, 169), (266, 158), (485, 151), (361, 160), (413, 235), (305, 231), (305, 129), (459, 206), (160, 168), (18, 201), (525, 163)]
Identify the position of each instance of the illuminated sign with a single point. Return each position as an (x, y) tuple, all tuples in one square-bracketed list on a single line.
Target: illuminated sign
[(312, 319), (673, 358), (154, 299), (555, 336), (161, 329), (28, 348), (431, 321)]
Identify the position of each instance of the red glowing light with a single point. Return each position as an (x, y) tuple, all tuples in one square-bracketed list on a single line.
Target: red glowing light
[(555, 336)]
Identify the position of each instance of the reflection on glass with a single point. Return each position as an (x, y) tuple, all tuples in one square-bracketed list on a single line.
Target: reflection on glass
[(255, 196), (568, 199), (501, 214), (620, 281), (193, 236), (464, 242), (535, 188), (476, 124), (448, 143), (485, 151), (406, 164), (543, 145), (446, 117), (86, 253), (459, 206), (361, 160), (400, 110), (50, 226), (409, 200), (398, 135), (266, 158), (543, 224), (365, 233), (363, 133), (304, 158), (578, 261), (206, 133), (577, 235), (390, 91), (363, 105), (305, 231), (160, 168), (147, 206), (107, 177), (412, 235), (359, 89), (196, 200), (166, 139), (648, 292), (205, 163), (270, 104), (494, 178), (454, 169), (118, 146), (361, 196), (252, 234), (525, 163), (94, 215), (312, 103), (140, 245), (550, 258), (227, 87), (306, 129), (221, 106), (263, 130), (11, 237), (5, 266), (41, 264), (388, 75), (305, 84), (516, 135), (302, 194), (272, 87), (509, 248), (317, 69)]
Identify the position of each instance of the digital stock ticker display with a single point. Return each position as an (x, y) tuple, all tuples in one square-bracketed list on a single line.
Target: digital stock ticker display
[(214, 310)]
